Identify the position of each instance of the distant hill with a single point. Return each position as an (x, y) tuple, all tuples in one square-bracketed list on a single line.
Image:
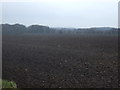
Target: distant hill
[(13, 29), (19, 29), (37, 29)]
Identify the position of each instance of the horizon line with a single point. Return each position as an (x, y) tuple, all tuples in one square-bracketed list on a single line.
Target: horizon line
[(61, 26)]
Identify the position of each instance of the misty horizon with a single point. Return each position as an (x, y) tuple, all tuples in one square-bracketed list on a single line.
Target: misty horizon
[(61, 26)]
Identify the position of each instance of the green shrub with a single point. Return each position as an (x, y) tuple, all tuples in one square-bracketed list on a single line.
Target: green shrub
[(8, 84)]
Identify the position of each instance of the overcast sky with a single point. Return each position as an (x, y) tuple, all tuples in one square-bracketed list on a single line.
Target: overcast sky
[(62, 13)]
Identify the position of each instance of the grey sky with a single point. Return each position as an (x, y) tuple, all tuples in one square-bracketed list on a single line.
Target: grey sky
[(62, 13)]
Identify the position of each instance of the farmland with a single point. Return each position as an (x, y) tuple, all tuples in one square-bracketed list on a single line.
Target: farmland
[(60, 61)]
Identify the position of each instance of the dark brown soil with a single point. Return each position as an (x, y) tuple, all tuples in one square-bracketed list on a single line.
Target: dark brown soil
[(50, 61)]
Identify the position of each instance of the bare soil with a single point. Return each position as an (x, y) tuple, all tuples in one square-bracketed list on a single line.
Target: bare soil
[(59, 61)]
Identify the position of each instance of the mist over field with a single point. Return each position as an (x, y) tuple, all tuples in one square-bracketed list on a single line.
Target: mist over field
[(43, 57), (60, 43), (19, 29)]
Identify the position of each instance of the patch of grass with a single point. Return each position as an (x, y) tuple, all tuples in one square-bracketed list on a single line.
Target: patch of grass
[(8, 84)]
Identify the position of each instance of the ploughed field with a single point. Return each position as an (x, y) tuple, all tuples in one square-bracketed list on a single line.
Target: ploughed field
[(59, 61)]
